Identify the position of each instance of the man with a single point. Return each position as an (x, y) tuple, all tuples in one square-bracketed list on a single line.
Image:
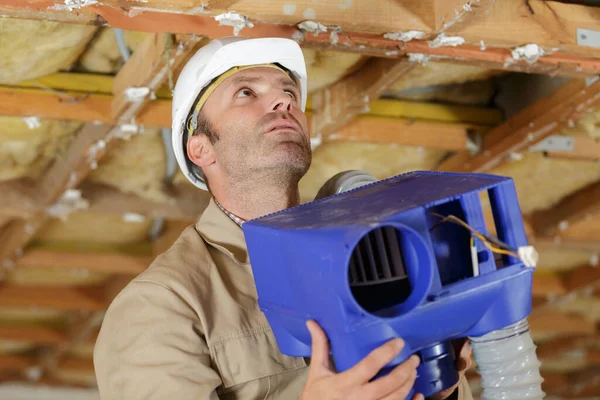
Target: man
[(190, 327)]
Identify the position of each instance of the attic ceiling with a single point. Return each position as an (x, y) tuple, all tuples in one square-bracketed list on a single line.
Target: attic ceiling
[(90, 194)]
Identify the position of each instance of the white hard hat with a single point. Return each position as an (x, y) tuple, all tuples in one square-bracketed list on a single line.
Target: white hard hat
[(216, 58)]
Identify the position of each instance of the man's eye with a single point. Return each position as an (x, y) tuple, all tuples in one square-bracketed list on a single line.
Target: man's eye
[(292, 94), (244, 93)]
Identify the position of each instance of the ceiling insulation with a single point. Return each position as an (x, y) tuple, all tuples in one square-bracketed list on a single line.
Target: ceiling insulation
[(136, 165), (30, 49), (28, 145), (541, 181), (380, 160), (561, 259), (93, 228), (32, 316), (440, 73), (33, 49), (103, 54), (58, 276)]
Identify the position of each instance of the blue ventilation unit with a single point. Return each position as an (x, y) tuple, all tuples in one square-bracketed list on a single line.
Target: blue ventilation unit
[(396, 258)]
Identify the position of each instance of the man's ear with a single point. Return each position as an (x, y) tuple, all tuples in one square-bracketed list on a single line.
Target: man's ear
[(200, 151)]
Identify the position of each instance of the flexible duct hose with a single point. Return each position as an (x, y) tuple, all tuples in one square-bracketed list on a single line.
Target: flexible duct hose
[(507, 363)]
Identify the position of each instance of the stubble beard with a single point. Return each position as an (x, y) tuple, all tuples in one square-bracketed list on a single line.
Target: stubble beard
[(261, 158)]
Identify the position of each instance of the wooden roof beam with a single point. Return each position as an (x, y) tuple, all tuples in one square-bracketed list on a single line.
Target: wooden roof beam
[(555, 347), (570, 210), (545, 117), (65, 173), (152, 64), (32, 334), (57, 297), (339, 103), (364, 26), (561, 323), (92, 142)]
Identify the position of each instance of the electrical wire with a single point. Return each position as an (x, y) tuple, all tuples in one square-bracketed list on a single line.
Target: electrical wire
[(485, 239)]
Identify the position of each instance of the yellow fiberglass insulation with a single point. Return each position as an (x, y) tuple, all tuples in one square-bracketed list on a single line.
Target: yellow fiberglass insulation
[(31, 49), (440, 73), (103, 54), (136, 165), (326, 67), (380, 160), (28, 145), (542, 182)]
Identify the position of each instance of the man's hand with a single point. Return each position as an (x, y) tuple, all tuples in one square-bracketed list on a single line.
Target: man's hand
[(463, 363), (323, 383)]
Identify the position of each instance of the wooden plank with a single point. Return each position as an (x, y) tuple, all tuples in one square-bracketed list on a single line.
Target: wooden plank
[(561, 323), (15, 362), (79, 330), (555, 347), (184, 202), (58, 298), (547, 284), (547, 116), (38, 334), (570, 210), (45, 104), (584, 148), (339, 103), (115, 263), (24, 101), (148, 68), (85, 108), (582, 277), (19, 198), (405, 132), (457, 15), (548, 242), (364, 24)]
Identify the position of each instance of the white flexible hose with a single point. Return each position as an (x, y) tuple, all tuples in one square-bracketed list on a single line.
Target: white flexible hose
[(508, 364)]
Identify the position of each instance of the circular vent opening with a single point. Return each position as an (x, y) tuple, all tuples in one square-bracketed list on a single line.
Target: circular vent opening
[(377, 271)]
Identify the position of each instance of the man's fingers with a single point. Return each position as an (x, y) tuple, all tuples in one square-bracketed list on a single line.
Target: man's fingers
[(369, 366), (399, 381), (320, 345), (402, 392)]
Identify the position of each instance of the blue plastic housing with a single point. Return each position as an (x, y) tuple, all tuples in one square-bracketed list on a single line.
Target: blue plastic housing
[(300, 259)]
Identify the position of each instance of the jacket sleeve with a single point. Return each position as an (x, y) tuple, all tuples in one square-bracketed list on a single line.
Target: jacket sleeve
[(151, 346)]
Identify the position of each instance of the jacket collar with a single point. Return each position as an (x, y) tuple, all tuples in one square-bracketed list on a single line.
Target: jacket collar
[(223, 233)]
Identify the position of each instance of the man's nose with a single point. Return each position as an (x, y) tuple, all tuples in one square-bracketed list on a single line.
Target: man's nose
[(282, 102)]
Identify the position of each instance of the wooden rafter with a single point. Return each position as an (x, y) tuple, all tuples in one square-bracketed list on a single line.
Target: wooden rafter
[(545, 117), (405, 132), (572, 209), (555, 347), (58, 298), (338, 104), (584, 148), (562, 323), (84, 108), (183, 201), (92, 142), (65, 173), (540, 23), (38, 335), (113, 263)]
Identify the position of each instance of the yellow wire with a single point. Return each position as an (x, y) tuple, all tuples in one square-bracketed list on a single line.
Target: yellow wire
[(490, 246)]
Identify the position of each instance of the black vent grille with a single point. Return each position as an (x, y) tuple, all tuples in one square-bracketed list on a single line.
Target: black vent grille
[(377, 275), (377, 258)]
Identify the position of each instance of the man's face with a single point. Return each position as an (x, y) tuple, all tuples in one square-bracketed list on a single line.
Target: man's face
[(256, 115)]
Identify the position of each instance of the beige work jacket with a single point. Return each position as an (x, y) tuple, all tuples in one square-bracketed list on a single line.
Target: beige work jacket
[(189, 327)]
